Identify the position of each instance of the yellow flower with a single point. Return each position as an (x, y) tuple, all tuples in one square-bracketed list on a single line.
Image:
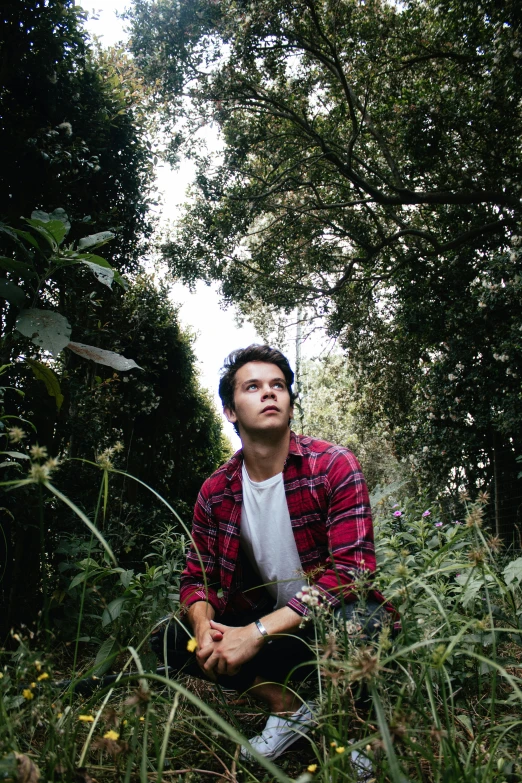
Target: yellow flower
[(86, 718), (27, 694), (112, 735), (311, 768), (33, 685), (192, 644), (1, 675), (60, 715), (43, 676), (333, 744), (125, 722), (38, 665), (142, 717), (339, 750)]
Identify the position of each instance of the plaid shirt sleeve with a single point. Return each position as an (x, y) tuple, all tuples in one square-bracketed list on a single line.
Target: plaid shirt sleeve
[(201, 574), (349, 529)]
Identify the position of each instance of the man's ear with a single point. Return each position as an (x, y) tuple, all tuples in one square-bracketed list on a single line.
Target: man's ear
[(230, 414)]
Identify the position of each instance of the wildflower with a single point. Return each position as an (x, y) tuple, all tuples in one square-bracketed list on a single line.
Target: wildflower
[(52, 463), (311, 768), (27, 694), (60, 715), (16, 434), (438, 524), (38, 666), (111, 734), (86, 718), (33, 685), (402, 571), (142, 717), (397, 513), (333, 744), (339, 749), (43, 676), (192, 644), (1, 675), (426, 513), (118, 446), (38, 452), (483, 498)]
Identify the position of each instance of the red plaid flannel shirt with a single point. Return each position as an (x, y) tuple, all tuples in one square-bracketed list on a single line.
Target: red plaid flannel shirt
[(331, 519)]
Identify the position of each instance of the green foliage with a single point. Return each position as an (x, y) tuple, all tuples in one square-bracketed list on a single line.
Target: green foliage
[(329, 409), (445, 692), (369, 175)]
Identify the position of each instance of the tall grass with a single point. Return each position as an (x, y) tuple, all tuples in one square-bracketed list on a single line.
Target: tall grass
[(440, 700)]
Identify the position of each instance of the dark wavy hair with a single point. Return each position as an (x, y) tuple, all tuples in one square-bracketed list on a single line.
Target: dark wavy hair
[(254, 353)]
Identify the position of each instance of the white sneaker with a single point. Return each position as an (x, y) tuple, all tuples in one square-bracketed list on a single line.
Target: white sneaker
[(279, 733), (362, 766)]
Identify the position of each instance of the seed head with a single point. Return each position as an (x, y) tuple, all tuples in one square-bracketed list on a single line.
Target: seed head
[(364, 665), (475, 517), (39, 473), (38, 452), (16, 434), (477, 556)]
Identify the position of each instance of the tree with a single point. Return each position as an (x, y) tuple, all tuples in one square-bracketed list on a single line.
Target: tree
[(371, 174), (329, 403), (74, 136)]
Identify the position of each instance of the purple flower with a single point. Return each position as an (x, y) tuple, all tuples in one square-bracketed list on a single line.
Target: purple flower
[(397, 513), (438, 524), (426, 513), (456, 522), (395, 505)]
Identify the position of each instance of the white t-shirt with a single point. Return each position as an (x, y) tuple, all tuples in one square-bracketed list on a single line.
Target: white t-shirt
[(267, 538)]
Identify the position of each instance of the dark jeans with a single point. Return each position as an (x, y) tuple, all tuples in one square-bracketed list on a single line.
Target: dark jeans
[(284, 657)]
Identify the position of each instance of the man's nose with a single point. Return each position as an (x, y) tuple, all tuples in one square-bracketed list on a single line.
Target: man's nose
[(268, 392)]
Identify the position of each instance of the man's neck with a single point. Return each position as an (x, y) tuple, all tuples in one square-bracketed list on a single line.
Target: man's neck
[(264, 457)]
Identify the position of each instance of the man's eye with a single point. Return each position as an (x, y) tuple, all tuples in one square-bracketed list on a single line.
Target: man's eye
[(252, 386), (280, 385)]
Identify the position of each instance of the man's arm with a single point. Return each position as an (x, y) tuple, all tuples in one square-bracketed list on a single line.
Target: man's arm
[(239, 645)]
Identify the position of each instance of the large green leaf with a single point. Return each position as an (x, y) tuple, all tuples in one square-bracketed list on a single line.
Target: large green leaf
[(95, 240), (103, 658), (113, 610), (45, 374), (13, 293), (18, 267), (47, 329), (92, 261), (103, 274), (109, 358)]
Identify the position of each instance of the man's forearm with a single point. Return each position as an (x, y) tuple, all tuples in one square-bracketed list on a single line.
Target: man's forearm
[(283, 620), (199, 615)]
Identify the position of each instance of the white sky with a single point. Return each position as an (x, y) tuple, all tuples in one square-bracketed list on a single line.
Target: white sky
[(217, 331)]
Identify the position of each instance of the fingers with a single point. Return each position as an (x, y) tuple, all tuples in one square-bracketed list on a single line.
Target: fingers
[(216, 636), (218, 626)]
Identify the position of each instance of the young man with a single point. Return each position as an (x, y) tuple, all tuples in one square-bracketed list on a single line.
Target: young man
[(284, 510)]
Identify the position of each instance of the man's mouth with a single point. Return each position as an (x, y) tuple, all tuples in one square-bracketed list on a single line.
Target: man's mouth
[(270, 408)]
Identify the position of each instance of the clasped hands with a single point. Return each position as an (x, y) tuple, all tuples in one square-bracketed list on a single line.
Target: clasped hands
[(223, 649)]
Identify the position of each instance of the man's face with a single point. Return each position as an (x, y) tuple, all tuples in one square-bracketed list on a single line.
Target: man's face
[(261, 399)]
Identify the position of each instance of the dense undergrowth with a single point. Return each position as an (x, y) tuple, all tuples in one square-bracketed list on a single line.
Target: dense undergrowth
[(444, 687)]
